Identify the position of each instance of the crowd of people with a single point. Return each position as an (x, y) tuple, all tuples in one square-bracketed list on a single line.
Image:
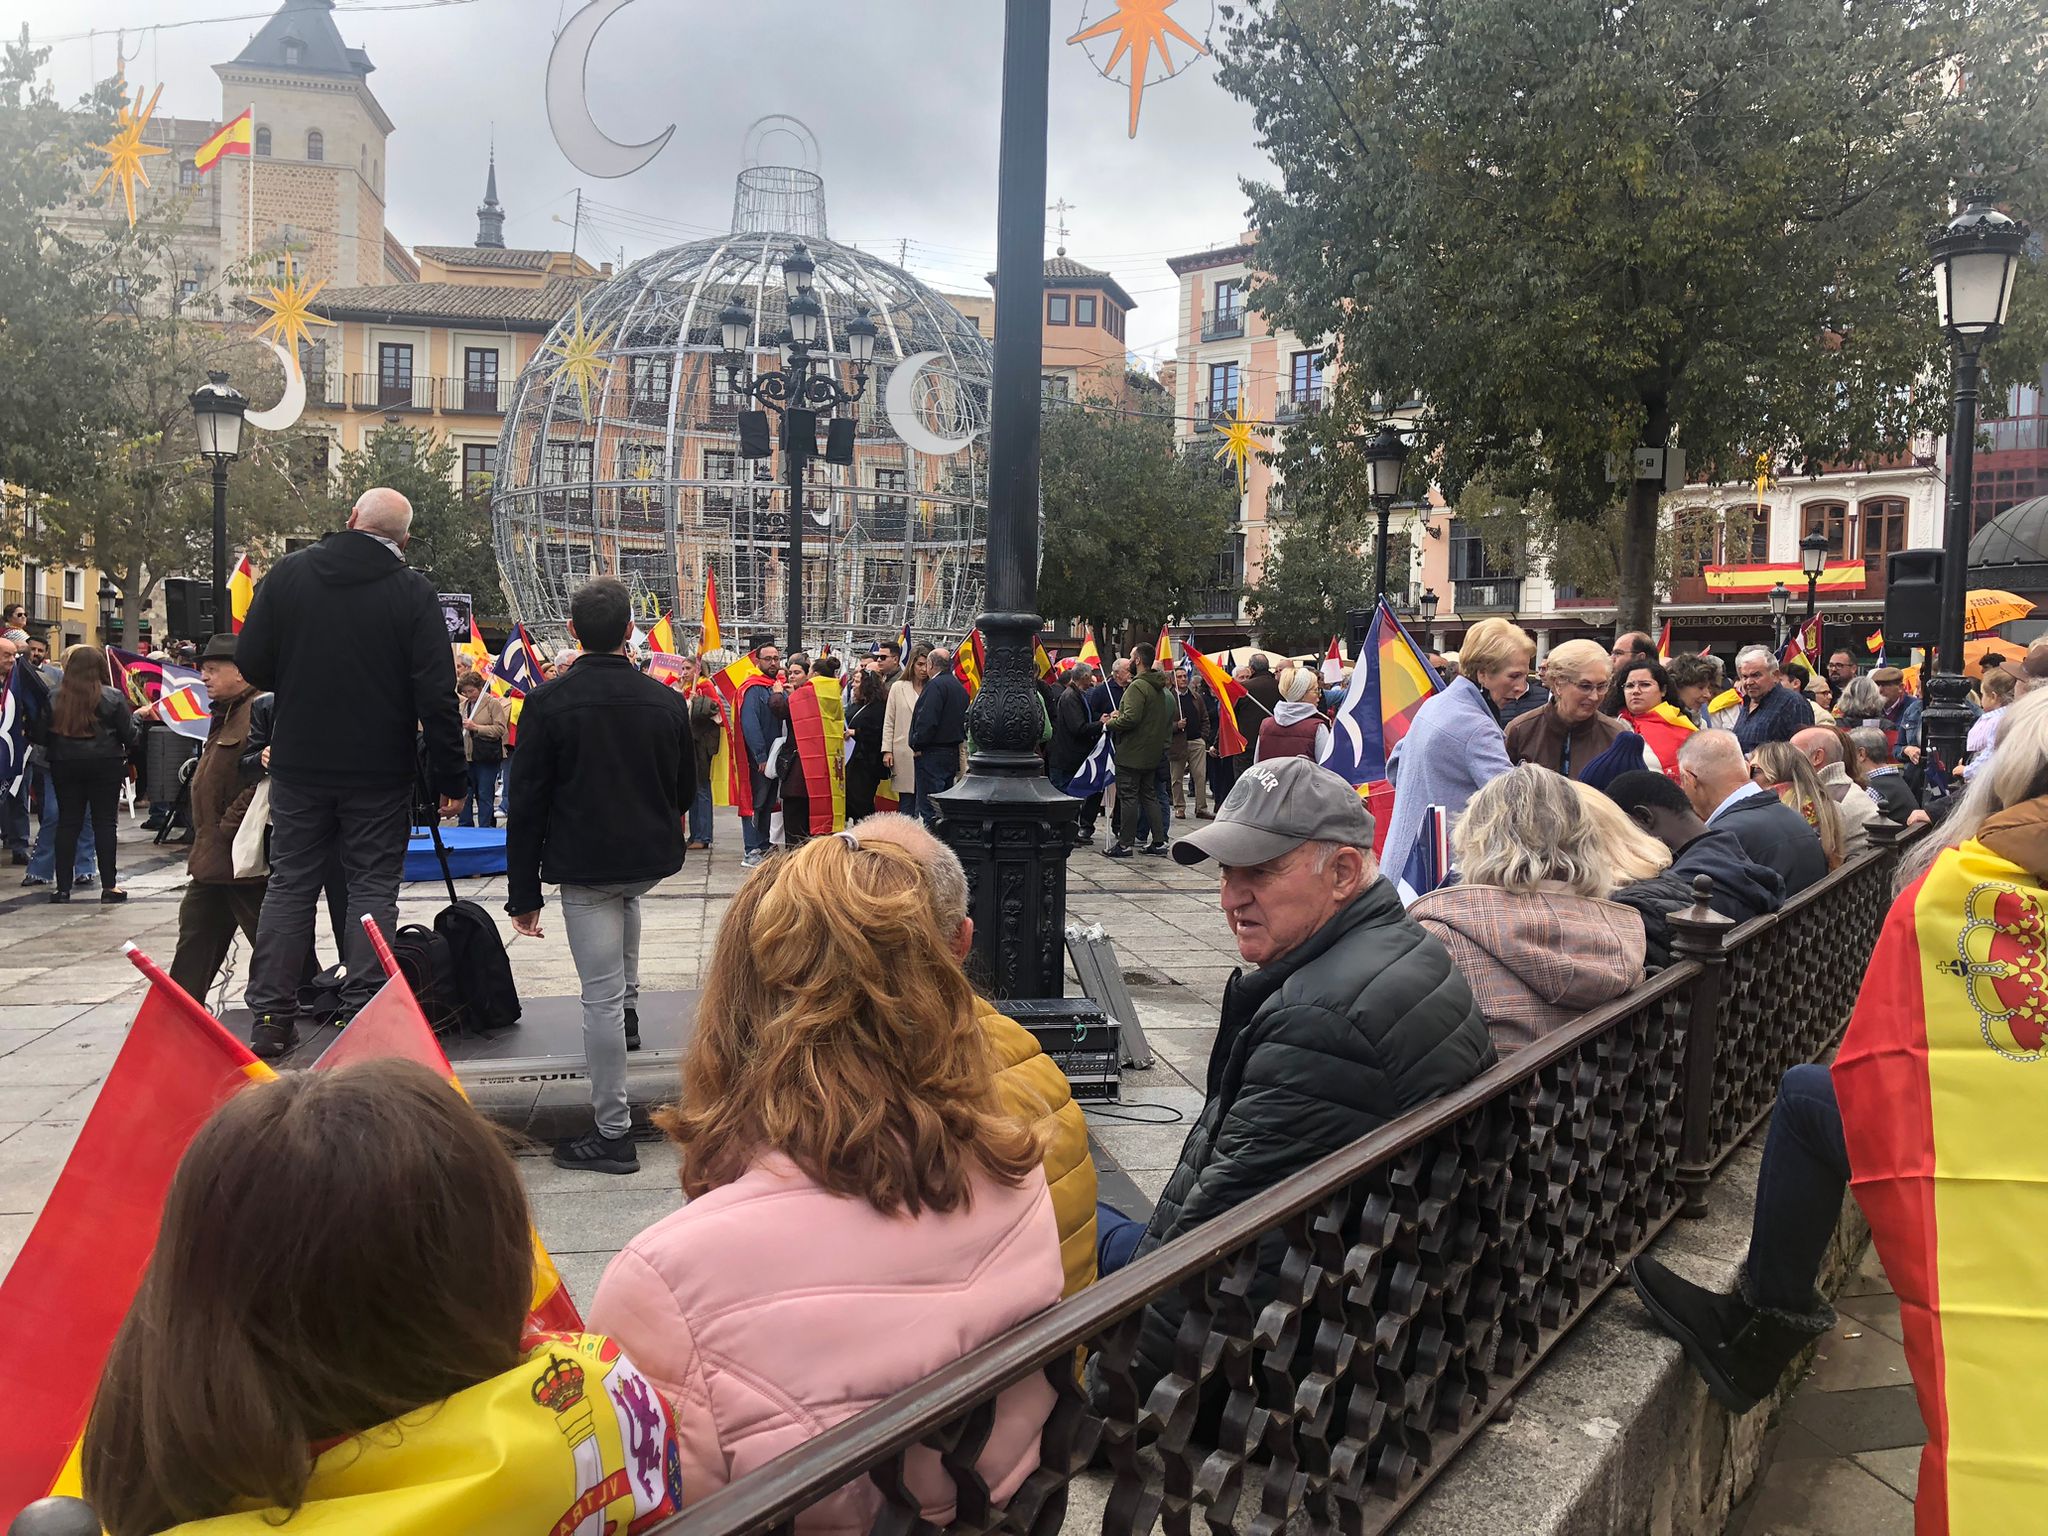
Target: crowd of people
[(881, 1170)]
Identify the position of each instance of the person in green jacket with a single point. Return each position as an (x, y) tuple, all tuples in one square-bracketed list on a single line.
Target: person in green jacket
[(1141, 728)]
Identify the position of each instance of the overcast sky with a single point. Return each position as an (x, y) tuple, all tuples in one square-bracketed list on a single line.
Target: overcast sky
[(902, 94)]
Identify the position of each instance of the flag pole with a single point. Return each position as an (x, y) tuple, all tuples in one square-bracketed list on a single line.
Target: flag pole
[(249, 181)]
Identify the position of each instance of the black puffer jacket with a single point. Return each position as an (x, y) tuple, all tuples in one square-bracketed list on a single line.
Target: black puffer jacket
[(1365, 1020), (1743, 889)]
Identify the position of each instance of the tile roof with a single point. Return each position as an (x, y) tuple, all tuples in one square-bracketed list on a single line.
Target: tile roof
[(486, 256), (519, 309), (1065, 270)]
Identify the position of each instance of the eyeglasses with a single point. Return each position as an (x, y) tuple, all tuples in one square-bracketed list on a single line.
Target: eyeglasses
[(1583, 684)]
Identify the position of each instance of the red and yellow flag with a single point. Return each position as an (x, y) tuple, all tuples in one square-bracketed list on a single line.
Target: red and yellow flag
[(731, 783), (967, 663), (474, 648), (707, 625), (241, 593), (1226, 690), (1162, 649), (237, 136), (84, 1258), (662, 637), (817, 718), (1088, 651), (1939, 1084)]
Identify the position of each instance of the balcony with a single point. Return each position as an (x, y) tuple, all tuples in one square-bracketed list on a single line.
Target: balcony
[(1209, 412), (386, 392), (1494, 594), (1293, 404), (1222, 324), (476, 397)]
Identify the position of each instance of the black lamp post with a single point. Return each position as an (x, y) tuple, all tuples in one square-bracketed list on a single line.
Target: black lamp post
[(1386, 455), (110, 610), (1813, 559), (1428, 606), (803, 386), (1781, 603), (1012, 829), (218, 408), (1975, 260)]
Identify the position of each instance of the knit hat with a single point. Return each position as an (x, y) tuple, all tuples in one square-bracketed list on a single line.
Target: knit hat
[(1625, 756), (1295, 686)]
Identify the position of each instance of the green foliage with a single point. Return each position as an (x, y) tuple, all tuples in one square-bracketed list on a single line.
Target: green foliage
[(1574, 227), (451, 532), (1133, 529), (1314, 573)]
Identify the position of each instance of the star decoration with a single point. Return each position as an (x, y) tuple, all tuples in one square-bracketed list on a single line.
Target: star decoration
[(644, 472), (1139, 27), (125, 151), (291, 317), (579, 358), (1238, 442)]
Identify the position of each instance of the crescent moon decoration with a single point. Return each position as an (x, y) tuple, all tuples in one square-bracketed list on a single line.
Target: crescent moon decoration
[(902, 401), (285, 414), (1140, 27), (586, 146)]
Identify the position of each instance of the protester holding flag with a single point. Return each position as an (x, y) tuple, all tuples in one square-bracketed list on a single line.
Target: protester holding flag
[(394, 1278), (1075, 733), (87, 737), (1454, 745)]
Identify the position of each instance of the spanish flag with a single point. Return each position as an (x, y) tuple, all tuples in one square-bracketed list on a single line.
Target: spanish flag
[(662, 637), (1041, 659), (708, 625), (474, 648), (241, 593), (1088, 651), (1226, 690), (967, 663), (1939, 1084), (731, 783), (236, 137)]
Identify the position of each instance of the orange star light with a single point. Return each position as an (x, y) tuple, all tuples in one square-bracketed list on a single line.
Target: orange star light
[(125, 151), (1139, 27), (290, 316)]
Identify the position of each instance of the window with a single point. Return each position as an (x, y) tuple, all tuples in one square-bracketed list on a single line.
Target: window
[(1832, 519), (394, 373), (480, 378), (892, 480), (1057, 306), (1229, 298), (1883, 522), (316, 144), (294, 51), (1306, 380), (1084, 309), (188, 289), (479, 465), (188, 174), (1055, 386), (1113, 320), (74, 587), (1223, 386), (263, 141), (647, 380), (1469, 559), (719, 465)]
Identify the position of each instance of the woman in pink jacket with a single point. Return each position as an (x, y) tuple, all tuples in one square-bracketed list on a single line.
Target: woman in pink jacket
[(861, 1210)]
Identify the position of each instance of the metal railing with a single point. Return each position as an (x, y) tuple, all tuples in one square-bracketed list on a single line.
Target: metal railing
[(1495, 594), (1222, 324), (1427, 1270), (1293, 404)]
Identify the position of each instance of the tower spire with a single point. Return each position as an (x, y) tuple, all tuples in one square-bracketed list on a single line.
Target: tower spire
[(490, 217)]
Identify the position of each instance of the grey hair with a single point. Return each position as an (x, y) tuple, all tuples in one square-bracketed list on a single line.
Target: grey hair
[(2016, 772), (1527, 826), (1714, 751), (1326, 851), (1756, 653), (1859, 699), (1871, 742), (383, 511), (945, 878)]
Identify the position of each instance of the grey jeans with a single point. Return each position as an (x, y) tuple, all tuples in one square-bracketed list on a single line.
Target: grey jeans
[(603, 925)]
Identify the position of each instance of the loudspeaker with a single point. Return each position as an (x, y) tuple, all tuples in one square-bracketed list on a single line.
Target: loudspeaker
[(1912, 598), (188, 608), (839, 440), (1359, 622), (800, 427), (754, 435)]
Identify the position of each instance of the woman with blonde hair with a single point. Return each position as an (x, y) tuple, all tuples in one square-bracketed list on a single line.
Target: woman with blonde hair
[(1297, 728), (1528, 924), (1626, 851), (1454, 744), (862, 1209), (1783, 769)]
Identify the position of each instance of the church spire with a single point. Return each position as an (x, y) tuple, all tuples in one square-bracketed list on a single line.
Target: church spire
[(490, 218)]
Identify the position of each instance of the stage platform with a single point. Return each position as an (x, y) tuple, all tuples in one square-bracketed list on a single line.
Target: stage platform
[(531, 1078), (472, 851)]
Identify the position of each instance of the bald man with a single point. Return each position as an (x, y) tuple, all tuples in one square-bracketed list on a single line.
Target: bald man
[(354, 646), (1821, 745), (1715, 776)]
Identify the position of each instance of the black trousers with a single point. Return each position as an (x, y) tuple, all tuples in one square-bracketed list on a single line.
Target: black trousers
[(208, 919), (1137, 804), (862, 780), (366, 827), (796, 820), (91, 787)]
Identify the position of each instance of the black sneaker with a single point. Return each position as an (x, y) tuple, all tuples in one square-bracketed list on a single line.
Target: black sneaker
[(1118, 851), (111, 895), (1156, 847), (632, 1029), (596, 1152), (273, 1035)]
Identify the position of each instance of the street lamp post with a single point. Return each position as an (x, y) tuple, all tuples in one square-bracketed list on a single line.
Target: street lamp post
[(1386, 455), (1011, 828), (110, 610), (1781, 603), (803, 386), (1975, 260), (217, 409), (1813, 559)]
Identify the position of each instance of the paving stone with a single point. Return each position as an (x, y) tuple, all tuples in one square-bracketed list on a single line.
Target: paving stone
[(20, 1102), (600, 1221), (1869, 1419), (1824, 1498), (1899, 1469), (1869, 1277), (1875, 1312), (1846, 1364)]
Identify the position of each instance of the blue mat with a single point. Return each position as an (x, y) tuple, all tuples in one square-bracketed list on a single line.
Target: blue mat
[(471, 851)]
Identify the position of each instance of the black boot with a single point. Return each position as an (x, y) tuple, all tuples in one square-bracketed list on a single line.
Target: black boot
[(273, 1035), (1740, 1350), (632, 1029)]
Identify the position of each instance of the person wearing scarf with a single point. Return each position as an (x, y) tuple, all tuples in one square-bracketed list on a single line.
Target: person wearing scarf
[(1297, 728)]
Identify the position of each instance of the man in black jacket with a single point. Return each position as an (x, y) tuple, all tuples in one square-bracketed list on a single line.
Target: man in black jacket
[(344, 753), (937, 728), (1716, 779), (1742, 887), (1352, 1016), (606, 770), (1187, 749), (1075, 731)]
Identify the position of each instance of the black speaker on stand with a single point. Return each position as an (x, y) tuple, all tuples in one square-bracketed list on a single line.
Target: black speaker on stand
[(188, 608)]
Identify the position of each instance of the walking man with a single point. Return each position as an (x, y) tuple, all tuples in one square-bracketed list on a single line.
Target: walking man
[(344, 759), (606, 770)]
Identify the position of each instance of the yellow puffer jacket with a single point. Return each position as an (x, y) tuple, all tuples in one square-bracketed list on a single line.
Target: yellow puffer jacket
[(1034, 1089)]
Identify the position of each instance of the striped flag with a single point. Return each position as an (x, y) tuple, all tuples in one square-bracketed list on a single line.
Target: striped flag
[(1088, 651), (903, 642), (516, 670), (84, 1258), (186, 710), (1226, 690), (967, 663), (241, 593), (474, 648), (663, 636), (237, 136), (1874, 642), (1664, 642), (1938, 1082), (1333, 663), (1388, 686), (1429, 861)]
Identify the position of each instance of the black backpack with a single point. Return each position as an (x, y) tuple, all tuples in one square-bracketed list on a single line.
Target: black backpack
[(427, 962), (465, 956)]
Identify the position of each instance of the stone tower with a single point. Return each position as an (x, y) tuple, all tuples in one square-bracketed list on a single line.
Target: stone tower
[(320, 150), (490, 217)]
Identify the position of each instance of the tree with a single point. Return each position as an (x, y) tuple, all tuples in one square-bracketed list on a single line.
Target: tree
[(1315, 572), (451, 532), (1133, 529), (1576, 227)]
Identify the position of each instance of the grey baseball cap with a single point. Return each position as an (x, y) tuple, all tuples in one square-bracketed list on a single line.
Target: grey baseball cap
[(1275, 808)]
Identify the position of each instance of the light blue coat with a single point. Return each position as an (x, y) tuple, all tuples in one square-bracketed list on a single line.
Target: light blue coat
[(1454, 747)]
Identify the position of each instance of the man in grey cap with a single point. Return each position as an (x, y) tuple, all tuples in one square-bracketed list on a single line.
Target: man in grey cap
[(1350, 1016)]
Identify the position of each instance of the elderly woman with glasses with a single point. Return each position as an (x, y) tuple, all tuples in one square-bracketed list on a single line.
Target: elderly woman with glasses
[(1569, 732)]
